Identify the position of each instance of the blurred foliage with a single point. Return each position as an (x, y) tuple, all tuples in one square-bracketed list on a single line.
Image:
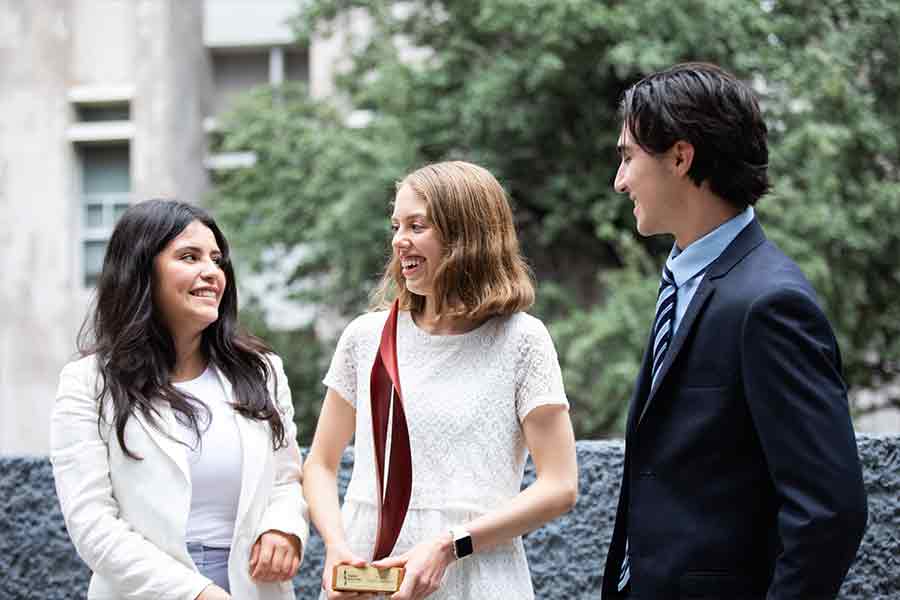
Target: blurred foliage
[(529, 89), (304, 363)]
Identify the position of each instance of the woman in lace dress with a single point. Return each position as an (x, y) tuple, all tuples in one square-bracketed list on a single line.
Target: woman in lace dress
[(482, 388)]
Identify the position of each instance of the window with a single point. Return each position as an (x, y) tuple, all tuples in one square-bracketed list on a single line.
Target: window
[(296, 67), (101, 132), (236, 70), (105, 193), (94, 113)]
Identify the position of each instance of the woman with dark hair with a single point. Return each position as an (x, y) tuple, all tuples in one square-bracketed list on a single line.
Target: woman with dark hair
[(172, 437), (480, 386)]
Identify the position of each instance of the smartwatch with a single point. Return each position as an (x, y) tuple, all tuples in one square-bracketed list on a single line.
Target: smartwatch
[(462, 542)]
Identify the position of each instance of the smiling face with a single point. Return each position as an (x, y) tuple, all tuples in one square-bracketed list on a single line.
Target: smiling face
[(188, 280), (416, 242), (651, 184)]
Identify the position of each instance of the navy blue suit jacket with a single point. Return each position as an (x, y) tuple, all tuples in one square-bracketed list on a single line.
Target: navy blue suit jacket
[(741, 478)]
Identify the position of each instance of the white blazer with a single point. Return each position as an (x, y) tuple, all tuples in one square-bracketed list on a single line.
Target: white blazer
[(127, 517)]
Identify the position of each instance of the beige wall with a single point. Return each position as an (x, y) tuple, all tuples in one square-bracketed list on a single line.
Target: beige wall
[(38, 299), (47, 48), (172, 82), (102, 43)]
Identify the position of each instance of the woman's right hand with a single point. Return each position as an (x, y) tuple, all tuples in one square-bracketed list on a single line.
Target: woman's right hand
[(213, 592), (340, 555)]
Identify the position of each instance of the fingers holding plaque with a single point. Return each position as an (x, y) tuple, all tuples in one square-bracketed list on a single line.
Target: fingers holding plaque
[(347, 578)]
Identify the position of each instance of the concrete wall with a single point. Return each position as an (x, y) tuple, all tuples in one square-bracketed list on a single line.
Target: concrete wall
[(330, 51), (47, 49), (172, 88), (566, 557), (39, 293)]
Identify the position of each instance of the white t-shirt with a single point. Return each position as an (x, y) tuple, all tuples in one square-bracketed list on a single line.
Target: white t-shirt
[(215, 464)]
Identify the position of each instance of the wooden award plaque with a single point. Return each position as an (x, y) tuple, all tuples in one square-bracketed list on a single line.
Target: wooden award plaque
[(347, 578)]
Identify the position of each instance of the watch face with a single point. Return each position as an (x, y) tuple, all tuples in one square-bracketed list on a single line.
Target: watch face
[(463, 546)]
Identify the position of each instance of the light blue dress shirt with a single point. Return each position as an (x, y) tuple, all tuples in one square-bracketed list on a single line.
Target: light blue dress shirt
[(689, 265)]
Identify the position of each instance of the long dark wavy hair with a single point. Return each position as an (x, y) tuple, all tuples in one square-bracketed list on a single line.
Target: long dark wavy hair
[(134, 349)]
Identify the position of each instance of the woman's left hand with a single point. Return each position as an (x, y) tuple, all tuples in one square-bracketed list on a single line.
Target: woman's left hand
[(275, 556), (425, 564)]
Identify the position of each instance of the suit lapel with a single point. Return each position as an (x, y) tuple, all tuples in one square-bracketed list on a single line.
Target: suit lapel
[(166, 438), (642, 387), (254, 440), (695, 308), (746, 241)]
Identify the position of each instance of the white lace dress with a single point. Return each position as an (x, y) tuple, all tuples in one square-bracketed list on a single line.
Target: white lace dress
[(465, 397)]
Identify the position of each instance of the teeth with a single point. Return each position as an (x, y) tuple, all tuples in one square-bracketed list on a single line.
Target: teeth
[(204, 293), (409, 263)]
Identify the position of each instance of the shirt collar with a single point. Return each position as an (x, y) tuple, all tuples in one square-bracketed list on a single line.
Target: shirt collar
[(693, 260)]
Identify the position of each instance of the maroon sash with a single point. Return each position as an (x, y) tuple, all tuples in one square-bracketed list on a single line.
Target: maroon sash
[(393, 501)]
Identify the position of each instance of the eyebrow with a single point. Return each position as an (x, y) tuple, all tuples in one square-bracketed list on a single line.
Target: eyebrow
[(196, 249), (411, 216)]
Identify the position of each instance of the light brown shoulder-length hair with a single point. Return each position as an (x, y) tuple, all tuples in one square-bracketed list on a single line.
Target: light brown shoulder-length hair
[(483, 273)]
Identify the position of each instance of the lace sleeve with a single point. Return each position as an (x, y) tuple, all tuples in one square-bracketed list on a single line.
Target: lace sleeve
[(341, 376), (538, 376)]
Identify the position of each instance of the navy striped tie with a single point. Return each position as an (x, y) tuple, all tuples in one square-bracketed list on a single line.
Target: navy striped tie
[(664, 321), (662, 337)]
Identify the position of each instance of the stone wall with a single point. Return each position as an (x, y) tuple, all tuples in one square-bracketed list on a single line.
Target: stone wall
[(37, 561)]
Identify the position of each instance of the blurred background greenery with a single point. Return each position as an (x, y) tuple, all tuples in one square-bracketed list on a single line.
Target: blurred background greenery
[(529, 89)]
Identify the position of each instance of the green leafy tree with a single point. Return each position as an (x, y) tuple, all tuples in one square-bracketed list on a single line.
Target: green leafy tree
[(313, 209), (304, 363), (529, 89)]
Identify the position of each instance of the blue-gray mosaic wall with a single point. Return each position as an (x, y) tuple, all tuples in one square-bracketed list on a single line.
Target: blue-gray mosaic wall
[(37, 561)]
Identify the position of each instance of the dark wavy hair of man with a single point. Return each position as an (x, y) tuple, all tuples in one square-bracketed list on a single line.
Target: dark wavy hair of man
[(717, 114), (134, 349)]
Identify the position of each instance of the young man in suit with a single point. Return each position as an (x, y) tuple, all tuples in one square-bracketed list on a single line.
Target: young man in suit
[(741, 477)]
